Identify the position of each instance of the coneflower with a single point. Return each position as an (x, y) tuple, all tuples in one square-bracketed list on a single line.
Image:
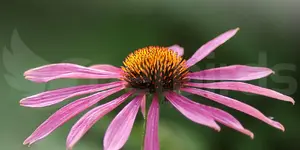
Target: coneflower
[(151, 71)]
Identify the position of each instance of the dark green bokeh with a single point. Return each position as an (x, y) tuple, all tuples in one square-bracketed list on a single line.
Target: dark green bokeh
[(94, 31)]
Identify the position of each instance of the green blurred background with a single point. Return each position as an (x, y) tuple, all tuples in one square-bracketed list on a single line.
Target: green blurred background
[(38, 32)]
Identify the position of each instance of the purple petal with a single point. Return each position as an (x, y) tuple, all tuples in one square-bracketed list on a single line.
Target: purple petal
[(119, 129), (176, 48), (235, 105), (208, 47), (143, 106), (91, 117), (219, 115), (55, 96), (67, 112), (234, 72), (71, 76), (244, 87), (151, 138), (226, 119), (108, 68), (191, 111), (66, 70)]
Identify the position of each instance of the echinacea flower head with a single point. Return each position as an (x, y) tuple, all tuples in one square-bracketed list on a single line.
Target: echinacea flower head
[(154, 70)]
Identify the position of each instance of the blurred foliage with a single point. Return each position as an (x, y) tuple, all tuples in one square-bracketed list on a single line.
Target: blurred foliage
[(107, 31)]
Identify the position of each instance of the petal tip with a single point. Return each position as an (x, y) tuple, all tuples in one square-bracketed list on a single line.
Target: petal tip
[(279, 126), (69, 148), (30, 78), (69, 145), (26, 142), (26, 73), (21, 102), (217, 128), (237, 29), (233, 31), (291, 100), (270, 71), (249, 133)]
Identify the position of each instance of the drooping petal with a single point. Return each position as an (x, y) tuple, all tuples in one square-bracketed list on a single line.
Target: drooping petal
[(119, 129), (244, 87), (91, 117), (62, 68), (191, 111), (143, 106), (67, 112), (66, 70), (234, 72), (176, 48), (108, 68), (208, 47), (227, 119), (55, 96), (219, 116), (70, 76), (235, 105), (151, 138)]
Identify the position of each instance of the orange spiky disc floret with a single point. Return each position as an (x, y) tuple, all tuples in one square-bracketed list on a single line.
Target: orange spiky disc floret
[(155, 69)]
